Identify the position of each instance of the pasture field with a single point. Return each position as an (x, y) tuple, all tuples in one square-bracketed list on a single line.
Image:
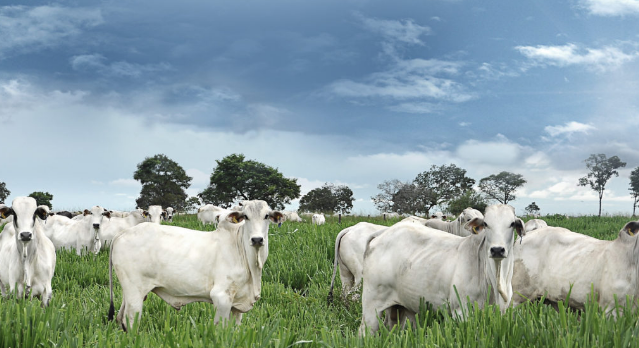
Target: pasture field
[(293, 310)]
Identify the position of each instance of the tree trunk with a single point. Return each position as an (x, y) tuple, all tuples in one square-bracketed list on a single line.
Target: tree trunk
[(600, 197)]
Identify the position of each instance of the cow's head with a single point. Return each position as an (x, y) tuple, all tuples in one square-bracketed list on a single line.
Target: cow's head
[(155, 213), (97, 215), (438, 215), (466, 216), (169, 213), (24, 211)]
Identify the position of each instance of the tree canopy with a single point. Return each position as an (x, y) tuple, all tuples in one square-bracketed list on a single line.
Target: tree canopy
[(235, 178), (4, 192), (501, 187), (442, 184), (163, 183), (532, 209), (328, 199), (42, 198), (470, 199), (634, 188), (601, 169)]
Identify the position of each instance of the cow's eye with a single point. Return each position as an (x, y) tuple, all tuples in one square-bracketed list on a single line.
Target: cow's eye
[(266, 217), (512, 224)]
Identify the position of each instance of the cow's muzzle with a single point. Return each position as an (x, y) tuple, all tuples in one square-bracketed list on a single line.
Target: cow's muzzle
[(257, 241), (26, 236), (96, 226), (497, 252)]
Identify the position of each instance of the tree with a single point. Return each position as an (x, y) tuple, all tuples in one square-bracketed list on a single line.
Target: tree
[(470, 199), (192, 203), (601, 170), (532, 209), (163, 183), (410, 199), (328, 199), (501, 187), (384, 201), (236, 179), (442, 184), (42, 198), (634, 189), (4, 193)]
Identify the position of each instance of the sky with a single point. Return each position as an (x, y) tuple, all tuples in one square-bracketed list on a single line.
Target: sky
[(350, 92)]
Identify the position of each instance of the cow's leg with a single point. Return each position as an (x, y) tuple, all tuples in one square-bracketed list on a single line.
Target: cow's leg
[(237, 315), (222, 302), (370, 320), (3, 290), (134, 298), (348, 279), (119, 318), (406, 314)]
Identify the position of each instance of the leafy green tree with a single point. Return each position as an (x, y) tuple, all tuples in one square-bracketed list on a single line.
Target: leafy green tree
[(328, 199), (442, 184), (4, 193), (192, 203), (384, 201), (42, 198), (532, 209), (470, 199), (601, 169), (235, 178), (501, 187), (410, 199), (163, 183), (634, 189)]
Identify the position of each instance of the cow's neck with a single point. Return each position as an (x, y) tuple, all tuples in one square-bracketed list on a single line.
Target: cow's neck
[(254, 260), (28, 254), (488, 276)]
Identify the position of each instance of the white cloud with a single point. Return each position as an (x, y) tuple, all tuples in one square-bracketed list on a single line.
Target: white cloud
[(569, 129), (611, 7), (125, 183), (497, 153), (599, 59), (200, 178), (405, 31), (415, 108), (28, 29), (97, 62)]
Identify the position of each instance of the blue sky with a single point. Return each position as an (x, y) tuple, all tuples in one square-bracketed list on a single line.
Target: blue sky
[(348, 92)]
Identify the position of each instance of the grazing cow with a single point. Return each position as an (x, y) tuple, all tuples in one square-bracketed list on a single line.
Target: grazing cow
[(459, 226), (291, 216), (318, 219), (392, 215), (183, 266), (169, 214), (350, 246), (155, 213), (408, 262), (535, 224), (552, 260), (209, 214), (27, 256)]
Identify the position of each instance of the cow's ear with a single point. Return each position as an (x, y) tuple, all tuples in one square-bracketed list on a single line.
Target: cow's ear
[(42, 213), (444, 217), (520, 227), (107, 214), (51, 213), (86, 212), (145, 213), (476, 225), (5, 212), (632, 228), (235, 217), (276, 216)]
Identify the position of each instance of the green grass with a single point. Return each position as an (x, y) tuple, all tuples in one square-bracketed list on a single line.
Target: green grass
[(293, 310)]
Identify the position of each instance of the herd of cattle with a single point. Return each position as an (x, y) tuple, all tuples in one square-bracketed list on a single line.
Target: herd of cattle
[(490, 258)]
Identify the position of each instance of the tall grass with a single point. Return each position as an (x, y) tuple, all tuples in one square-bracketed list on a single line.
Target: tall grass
[(293, 310)]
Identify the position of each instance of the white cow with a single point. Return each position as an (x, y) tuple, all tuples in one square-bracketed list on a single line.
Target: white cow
[(459, 226), (27, 256), (183, 266), (415, 219), (209, 214), (551, 260), (535, 224), (169, 214), (291, 216), (350, 246), (438, 215), (110, 228), (155, 213), (409, 262), (318, 219), (391, 215), (77, 234)]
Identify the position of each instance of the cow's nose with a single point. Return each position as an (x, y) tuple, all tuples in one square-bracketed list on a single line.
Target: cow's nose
[(257, 241), (497, 252), (26, 236), (96, 226)]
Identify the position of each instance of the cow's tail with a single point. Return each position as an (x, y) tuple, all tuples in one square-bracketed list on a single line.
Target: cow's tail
[(338, 240), (111, 306)]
